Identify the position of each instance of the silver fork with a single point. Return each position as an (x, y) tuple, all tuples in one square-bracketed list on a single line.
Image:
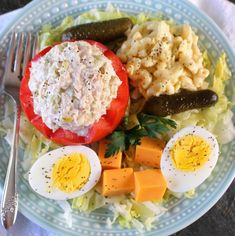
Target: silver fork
[(22, 47)]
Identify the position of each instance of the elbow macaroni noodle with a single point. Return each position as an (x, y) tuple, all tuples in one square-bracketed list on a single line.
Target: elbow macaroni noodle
[(162, 59)]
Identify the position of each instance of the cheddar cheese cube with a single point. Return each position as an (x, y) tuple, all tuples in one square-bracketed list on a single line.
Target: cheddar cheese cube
[(117, 181), (149, 152), (113, 162), (150, 185)]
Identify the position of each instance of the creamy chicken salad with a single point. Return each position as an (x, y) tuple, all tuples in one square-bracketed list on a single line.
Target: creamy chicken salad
[(72, 86)]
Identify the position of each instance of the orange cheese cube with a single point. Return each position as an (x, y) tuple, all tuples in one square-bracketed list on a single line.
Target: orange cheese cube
[(149, 152), (117, 181), (113, 162), (150, 185)]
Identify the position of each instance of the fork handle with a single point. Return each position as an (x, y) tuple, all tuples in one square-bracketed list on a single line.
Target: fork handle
[(9, 203)]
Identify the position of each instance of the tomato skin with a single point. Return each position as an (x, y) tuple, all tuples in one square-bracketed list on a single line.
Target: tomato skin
[(101, 128)]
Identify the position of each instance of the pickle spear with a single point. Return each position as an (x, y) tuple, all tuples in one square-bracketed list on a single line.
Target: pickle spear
[(185, 100), (103, 31)]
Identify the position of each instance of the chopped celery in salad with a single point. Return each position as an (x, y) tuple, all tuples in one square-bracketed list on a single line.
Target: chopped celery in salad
[(126, 211)]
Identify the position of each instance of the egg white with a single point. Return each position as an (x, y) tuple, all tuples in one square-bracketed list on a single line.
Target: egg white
[(42, 169), (183, 181)]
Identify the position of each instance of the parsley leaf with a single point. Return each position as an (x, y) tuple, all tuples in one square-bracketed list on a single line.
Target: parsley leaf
[(134, 135), (117, 142), (149, 125)]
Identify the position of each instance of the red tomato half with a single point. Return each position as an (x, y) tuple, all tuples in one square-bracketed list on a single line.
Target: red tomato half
[(100, 129)]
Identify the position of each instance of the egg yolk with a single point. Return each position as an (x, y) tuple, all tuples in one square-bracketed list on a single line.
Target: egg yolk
[(71, 172), (190, 153)]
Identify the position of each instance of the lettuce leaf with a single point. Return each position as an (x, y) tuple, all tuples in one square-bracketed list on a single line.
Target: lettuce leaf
[(88, 202), (50, 35)]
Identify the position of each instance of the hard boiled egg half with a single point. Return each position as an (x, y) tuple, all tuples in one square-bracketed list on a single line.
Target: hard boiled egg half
[(189, 158), (65, 173)]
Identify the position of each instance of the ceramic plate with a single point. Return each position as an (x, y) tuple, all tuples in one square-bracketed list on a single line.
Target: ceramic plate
[(182, 212)]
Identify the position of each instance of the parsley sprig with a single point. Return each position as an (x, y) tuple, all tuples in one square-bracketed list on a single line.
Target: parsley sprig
[(149, 125)]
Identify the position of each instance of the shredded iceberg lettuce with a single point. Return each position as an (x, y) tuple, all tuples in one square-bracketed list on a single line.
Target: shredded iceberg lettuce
[(113, 13), (206, 60), (169, 194), (88, 202), (126, 211), (129, 213), (99, 15), (33, 142), (6, 126), (50, 35)]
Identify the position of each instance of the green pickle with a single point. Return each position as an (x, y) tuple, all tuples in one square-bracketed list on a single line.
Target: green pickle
[(103, 31), (185, 100)]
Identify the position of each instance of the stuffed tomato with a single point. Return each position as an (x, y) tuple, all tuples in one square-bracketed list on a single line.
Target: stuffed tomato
[(75, 92)]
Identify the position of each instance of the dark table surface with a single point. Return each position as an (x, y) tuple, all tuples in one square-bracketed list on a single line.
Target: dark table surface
[(220, 219)]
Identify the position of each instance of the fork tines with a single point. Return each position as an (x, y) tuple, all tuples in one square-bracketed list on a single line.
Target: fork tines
[(23, 46)]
